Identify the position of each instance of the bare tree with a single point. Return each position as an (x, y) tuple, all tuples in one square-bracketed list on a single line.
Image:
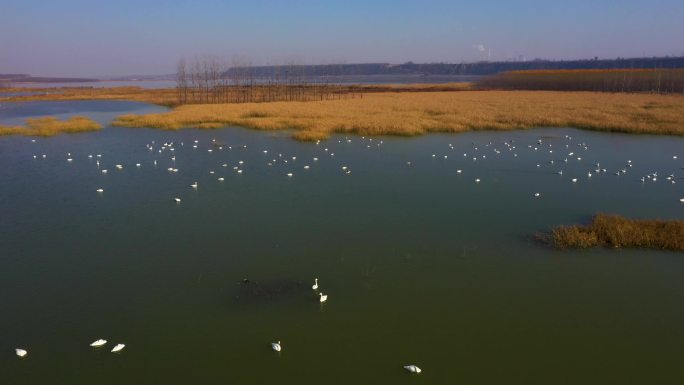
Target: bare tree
[(182, 82)]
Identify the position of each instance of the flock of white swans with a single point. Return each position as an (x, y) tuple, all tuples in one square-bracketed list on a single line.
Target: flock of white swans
[(559, 155), (557, 159), (276, 346)]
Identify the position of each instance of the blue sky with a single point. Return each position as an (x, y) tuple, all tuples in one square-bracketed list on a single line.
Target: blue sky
[(122, 37)]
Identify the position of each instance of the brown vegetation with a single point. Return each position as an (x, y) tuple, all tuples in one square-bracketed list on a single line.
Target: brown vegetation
[(416, 113), (165, 96), (169, 96), (211, 80), (614, 80), (50, 126), (618, 232)]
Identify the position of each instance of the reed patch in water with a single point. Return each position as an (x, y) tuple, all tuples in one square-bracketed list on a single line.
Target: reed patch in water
[(50, 126), (619, 232)]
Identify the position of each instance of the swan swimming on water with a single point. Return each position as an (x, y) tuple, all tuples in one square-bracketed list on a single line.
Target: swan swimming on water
[(324, 297), (315, 285), (276, 346), (413, 369), (118, 348), (98, 343), (21, 352)]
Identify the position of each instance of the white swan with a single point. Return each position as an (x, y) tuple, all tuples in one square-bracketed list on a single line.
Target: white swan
[(99, 190), (118, 348), (178, 200), (413, 369), (21, 352), (537, 194), (324, 297), (315, 285), (289, 174), (276, 346), (98, 343), (194, 185)]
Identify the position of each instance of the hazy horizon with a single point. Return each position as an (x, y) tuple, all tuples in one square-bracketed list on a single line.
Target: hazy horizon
[(80, 38)]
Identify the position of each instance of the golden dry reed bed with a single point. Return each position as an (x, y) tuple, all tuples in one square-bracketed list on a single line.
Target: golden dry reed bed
[(50, 126), (616, 231), (416, 113)]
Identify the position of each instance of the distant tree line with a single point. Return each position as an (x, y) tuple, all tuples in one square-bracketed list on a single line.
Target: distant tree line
[(661, 80), (477, 68), (211, 80)]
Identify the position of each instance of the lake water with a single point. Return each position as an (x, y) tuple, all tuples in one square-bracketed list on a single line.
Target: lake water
[(422, 264)]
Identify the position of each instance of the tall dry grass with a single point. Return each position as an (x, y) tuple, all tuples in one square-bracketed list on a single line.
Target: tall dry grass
[(50, 126), (659, 80), (619, 232), (416, 113)]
